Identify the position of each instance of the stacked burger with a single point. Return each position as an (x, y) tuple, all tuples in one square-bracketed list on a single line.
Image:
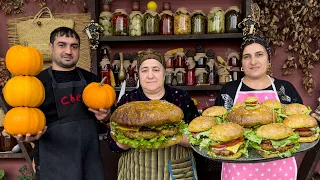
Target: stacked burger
[(148, 124)]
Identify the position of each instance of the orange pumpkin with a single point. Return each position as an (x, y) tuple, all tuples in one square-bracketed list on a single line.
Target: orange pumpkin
[(25, 91), (24, 120), (24, 60), (98, 95)]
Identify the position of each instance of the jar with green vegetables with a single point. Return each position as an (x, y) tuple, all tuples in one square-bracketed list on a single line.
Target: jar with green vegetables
[(120, 22), (232, 19), (105, 20), (151, 22), (198, 22), (182, 21), (216, 21), (136, 23), (166, 20)]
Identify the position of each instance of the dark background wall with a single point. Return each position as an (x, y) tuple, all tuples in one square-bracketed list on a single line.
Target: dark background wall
[(220, 48)]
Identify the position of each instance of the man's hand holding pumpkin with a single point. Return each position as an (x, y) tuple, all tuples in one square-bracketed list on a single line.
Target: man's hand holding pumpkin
[(101, 114), (28, 137)]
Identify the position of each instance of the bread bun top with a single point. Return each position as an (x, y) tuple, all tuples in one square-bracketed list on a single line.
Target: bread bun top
[(274, 131), (300, 121), (294, 108), (215, 111), (201, 123), (226, 132), (273, 104), (251, 99), (239, 104), (147, 113), (248, 116)]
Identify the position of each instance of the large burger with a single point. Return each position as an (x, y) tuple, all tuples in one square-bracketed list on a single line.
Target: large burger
[(305, 125), (227, 141), (199, 129), (296, 108), (148, 124), (274, 140), (219, 112)]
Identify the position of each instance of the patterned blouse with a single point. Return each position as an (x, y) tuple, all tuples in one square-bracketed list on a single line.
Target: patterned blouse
[(172, 95)]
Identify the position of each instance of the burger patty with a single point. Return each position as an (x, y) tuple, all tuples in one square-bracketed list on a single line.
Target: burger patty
[(267, 145), (149, 134), (306, 133), (224, 152)]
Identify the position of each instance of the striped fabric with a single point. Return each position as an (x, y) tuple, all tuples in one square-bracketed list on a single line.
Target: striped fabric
[(152, 164)]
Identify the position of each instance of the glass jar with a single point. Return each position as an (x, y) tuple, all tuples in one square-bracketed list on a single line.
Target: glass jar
[(180, 75), (180, 60), (105, 20), (169, 60), (190, 77), (198, 22), (169, 76), (201, 59), (182, 21), (216, 22), (201, 76), (166, 20), (120, 23), (151, 22), (136, 23), (232, 19), (234, 59)]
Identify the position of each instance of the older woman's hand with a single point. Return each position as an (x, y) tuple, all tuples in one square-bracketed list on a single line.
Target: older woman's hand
[(123, 146), (101, 114), (185, 142)]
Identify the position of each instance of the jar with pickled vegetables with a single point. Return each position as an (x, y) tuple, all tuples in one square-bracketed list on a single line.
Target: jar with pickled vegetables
[(198, 22), (232, 19), (120, 22), (105, 20), (182, 21), (151, 22), (216, 22), (166, 20), (136, 23)]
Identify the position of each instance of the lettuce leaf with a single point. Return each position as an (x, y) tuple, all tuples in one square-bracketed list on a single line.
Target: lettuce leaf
[(283, 142), (199, 137), (287, 153), (252, 136), (317, 129), (146, 143), (309, 110)]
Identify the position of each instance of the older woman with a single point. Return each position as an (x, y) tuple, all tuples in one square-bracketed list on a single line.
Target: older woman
[(255, 54), (151, 77)]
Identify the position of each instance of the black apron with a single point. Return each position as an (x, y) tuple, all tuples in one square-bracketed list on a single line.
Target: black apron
[(69, 150)]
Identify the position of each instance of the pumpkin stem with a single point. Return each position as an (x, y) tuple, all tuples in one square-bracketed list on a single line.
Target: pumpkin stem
[(102, 81), (25, 43)]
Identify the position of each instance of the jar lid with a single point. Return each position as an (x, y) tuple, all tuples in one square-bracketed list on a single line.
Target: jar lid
[(215, 9), (122, 11), (106, 13), (182, 10), (153, 13), (133, 13), (197, 12), (168, 12), (235, 8)]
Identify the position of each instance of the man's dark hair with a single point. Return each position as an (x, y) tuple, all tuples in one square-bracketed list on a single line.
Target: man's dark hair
[(63, 31)]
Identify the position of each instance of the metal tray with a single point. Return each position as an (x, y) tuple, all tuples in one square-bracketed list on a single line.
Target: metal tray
[(253, 157)]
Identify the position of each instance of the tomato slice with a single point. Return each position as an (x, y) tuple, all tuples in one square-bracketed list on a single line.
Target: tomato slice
[(219, 146), (232, 143), (303, 129)]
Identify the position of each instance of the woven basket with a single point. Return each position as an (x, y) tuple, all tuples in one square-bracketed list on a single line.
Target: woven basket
[(80, 21)]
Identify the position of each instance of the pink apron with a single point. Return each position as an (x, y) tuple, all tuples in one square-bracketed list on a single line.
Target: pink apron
[(285, 169)]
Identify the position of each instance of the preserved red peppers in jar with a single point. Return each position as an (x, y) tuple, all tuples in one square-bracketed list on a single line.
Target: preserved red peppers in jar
[(166, 20), (120, 23)]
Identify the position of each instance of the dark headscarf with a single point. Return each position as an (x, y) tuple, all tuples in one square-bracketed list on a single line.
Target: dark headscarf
[(250, 39), (150, 54)]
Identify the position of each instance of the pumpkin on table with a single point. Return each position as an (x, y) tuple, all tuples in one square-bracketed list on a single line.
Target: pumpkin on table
[(24, 60), (27, 91), (24, 120), (99, 95)]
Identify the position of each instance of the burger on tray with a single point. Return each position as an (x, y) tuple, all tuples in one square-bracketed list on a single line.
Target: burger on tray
[(305, 125), (219, 112), (274, 140), (295, 108), (227, 141), (199, 129), (276, 106), (148, 124)]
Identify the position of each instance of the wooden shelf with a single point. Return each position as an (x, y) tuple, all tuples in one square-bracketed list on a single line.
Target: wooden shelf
[(12, 155), (186, 88), (202, 37)]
